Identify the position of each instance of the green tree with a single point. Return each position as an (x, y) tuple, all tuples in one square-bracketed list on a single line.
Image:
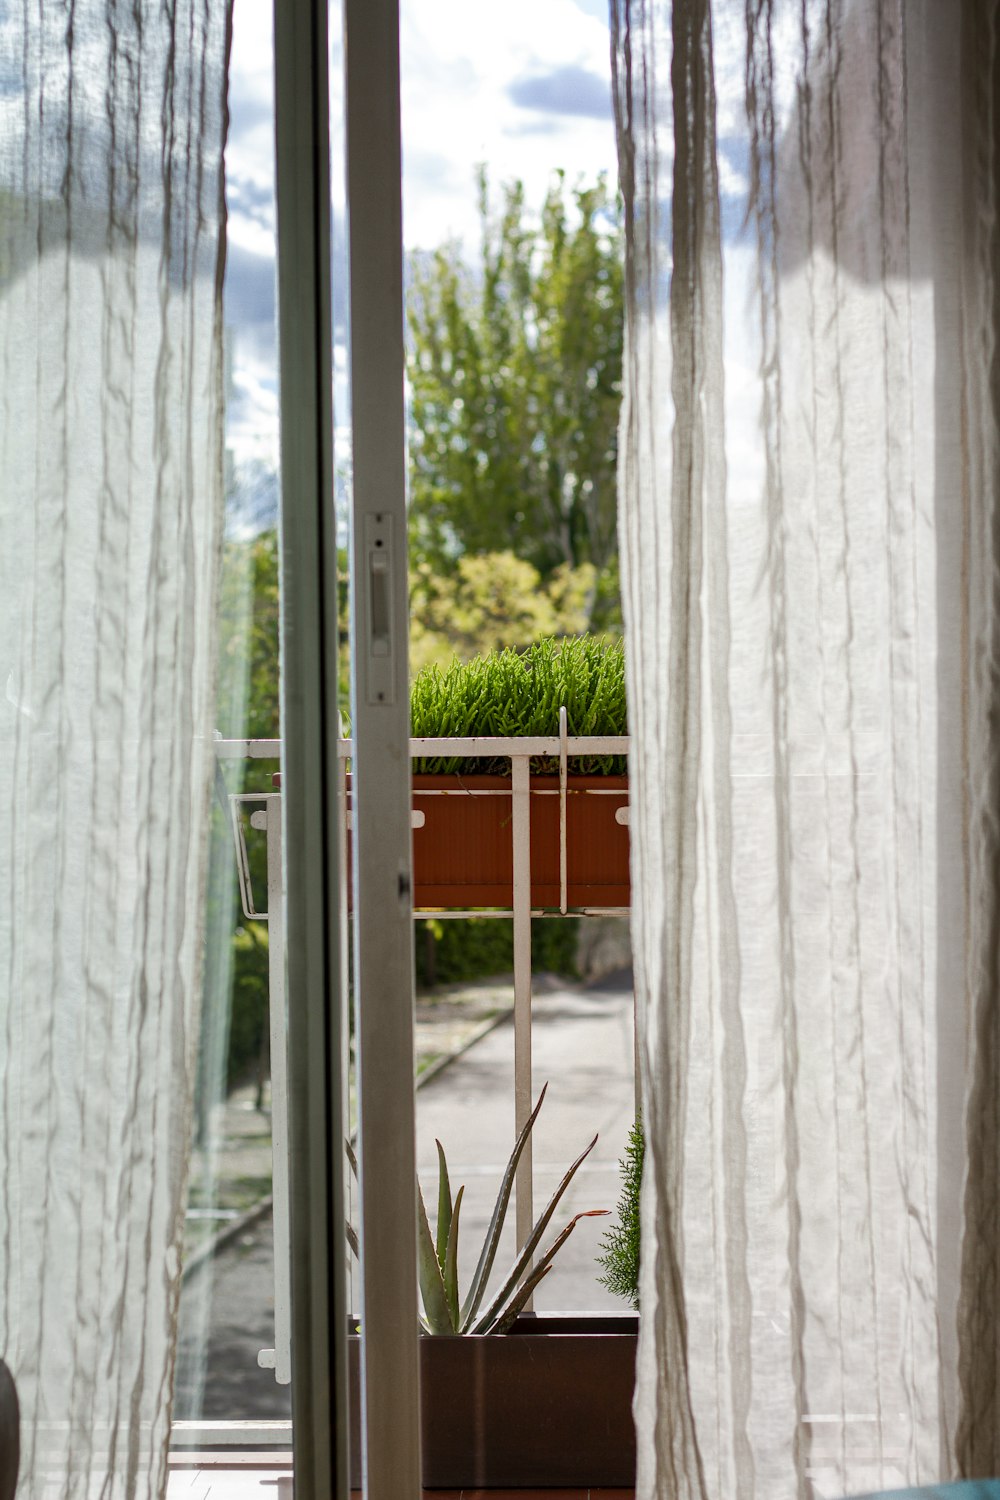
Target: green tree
[(491, 600), (249, 611), (515, 374), (248, 702)]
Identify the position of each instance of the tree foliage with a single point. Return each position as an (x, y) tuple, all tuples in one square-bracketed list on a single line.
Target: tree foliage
[(515, 374), (249, 610), (491, 601)]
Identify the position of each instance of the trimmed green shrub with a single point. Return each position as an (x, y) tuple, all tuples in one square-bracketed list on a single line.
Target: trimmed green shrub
[(469, 948), (520, 693), (248, 1020), (620, 1246)]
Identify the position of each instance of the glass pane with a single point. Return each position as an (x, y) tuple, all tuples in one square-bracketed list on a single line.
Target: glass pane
[(233, 1360)]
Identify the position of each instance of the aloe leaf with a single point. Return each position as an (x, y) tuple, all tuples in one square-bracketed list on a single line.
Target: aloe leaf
[(527, 1250), (451, 1261), (524, 1291), (444, 1206), (507, 1319), (436, 1310), (488, 1253), (352, 1233)]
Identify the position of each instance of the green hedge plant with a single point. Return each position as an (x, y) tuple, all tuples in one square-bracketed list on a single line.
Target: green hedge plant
[(482, 947), (518, 693)]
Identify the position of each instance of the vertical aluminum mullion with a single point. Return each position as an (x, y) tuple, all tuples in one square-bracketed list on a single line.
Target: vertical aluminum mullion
[(309, 758), (380, 795)]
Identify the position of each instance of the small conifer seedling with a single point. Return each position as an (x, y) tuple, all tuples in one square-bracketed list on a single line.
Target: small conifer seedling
[(620, 1246)]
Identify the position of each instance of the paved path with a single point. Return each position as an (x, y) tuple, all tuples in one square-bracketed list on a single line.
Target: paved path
[(582, 1044)]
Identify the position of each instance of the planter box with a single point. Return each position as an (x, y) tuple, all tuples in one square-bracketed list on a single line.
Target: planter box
[(463, 853), (546, 1405)]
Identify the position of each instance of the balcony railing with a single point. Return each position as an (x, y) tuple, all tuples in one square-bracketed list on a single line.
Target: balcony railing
[(263, 813)]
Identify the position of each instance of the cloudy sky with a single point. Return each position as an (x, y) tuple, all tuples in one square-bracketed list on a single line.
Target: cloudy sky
[(523, 86)]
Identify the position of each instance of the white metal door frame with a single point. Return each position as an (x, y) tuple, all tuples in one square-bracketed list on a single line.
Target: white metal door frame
[(309, 812), (380, 712)]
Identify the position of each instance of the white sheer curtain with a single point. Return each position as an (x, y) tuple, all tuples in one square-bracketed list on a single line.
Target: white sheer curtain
[(112, 119), (811, 540)]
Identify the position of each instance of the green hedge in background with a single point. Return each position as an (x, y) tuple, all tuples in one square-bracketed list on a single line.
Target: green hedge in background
[(467, 948), (448, 952), (248, 1018)]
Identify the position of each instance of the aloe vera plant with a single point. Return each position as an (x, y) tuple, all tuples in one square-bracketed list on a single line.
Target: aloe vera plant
[(444, 1309)]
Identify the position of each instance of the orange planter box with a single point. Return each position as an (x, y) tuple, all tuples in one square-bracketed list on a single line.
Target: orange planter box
[(463, 852)]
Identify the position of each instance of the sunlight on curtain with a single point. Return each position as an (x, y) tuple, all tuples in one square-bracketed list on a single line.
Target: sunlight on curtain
[(810, 572), (112, 122)]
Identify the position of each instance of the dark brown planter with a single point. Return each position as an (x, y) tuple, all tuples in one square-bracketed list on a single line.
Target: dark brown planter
[(463, 854), (10, 1434), (546, 1405)]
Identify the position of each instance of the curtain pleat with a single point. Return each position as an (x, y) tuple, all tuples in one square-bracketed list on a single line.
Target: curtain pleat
[(111, 249), (978, 1440), (810, 551)]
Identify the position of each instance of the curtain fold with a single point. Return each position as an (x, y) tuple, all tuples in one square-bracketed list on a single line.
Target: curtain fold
[(112, 125), (810, 549)]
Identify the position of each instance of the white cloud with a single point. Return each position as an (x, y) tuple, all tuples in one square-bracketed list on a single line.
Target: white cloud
[(459, 62), (250, 150), (252, 398)]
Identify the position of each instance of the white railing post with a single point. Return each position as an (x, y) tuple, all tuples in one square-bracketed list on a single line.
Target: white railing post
[(563, 816), (521, 795), (278, 1359), (281, 1355)]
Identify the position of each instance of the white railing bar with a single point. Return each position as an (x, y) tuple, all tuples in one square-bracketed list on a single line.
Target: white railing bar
[(521, 837), (214, 1434), (460, 748), (417, 819), (248, 749), (506, 746), (505, 791), (242, 860), (277, 1013), (470, 791), (445, 914), (563, 772)]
